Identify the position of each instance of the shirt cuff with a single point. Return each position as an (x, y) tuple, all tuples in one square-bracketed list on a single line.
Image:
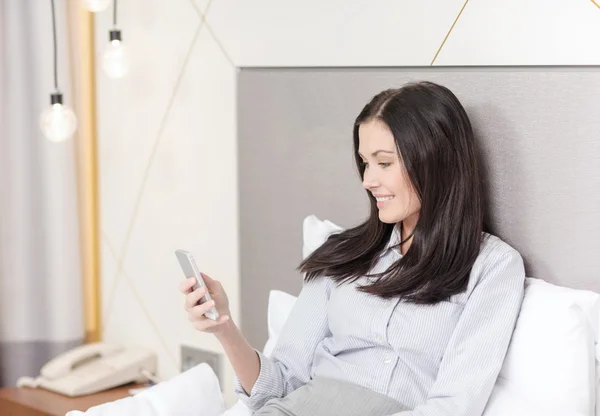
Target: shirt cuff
[(266, 387)]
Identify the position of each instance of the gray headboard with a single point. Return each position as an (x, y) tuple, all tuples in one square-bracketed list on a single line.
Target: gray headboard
[(539, 131)]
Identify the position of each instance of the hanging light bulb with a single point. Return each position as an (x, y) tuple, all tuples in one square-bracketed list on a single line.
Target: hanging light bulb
[(115, 60), (96, 5), (58, 122)]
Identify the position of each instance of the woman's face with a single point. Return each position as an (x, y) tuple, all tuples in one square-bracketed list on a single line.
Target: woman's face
[(385, 176)]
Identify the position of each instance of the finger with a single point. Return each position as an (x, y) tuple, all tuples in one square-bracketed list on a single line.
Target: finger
[(192, 298), (206, 277), (211, 283), (186, 285), (221, 320), (200, 310), (209, 323)]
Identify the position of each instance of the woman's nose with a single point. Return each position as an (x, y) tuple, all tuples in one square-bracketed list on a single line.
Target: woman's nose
[(369, 182)]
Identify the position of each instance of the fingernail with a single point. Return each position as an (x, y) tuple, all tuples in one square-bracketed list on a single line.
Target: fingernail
[(226, 318)]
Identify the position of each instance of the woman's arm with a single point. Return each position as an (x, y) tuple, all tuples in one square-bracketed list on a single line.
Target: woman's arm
[(478, 346), (290, 363), (242, 356)]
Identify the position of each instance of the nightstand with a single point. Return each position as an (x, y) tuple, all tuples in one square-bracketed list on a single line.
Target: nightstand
[(25, 401)]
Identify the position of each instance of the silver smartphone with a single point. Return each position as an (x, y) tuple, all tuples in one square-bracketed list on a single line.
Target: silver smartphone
[(188, 265)]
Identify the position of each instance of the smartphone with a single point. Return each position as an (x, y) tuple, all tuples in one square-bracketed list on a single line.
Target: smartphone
[(188, 265)]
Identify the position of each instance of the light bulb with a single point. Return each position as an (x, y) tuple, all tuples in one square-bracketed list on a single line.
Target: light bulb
[(58, 122), (95, 5), (115, 61)]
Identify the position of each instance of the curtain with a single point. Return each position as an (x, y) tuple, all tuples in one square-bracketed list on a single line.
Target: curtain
[(41, 311)]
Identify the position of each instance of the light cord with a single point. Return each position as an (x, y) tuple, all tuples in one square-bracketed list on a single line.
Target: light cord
[(54, 41)]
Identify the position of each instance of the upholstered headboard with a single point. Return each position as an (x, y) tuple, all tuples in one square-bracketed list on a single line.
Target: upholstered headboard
[(539, 133)]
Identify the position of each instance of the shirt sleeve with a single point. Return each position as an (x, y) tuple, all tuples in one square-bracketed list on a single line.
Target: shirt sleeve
[(289, 366), (476, 351)]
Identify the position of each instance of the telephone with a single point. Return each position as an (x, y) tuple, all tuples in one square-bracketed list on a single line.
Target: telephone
[(91, 368)]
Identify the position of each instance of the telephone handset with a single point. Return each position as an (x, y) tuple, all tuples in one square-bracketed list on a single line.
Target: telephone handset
[(95, 367), (65, 363)]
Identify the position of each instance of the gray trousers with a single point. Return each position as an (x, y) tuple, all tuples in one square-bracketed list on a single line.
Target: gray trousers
[(328, 397)]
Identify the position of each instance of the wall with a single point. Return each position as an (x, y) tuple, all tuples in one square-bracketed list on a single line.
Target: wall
[(167, 132)]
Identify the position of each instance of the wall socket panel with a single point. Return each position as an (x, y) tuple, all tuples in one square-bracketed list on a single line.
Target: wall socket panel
[(192, 356)]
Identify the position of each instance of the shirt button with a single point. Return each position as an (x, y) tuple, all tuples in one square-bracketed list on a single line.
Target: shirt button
[(378, 337), (387, 360)]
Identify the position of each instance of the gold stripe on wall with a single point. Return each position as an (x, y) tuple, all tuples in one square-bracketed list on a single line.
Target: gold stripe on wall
[(450, 31), (81, 40)]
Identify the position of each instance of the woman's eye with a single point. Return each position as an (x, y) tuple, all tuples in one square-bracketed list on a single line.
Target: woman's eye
[(385, 165)]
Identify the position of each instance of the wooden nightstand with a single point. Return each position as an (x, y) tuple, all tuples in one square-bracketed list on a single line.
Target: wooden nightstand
[(26, 401)]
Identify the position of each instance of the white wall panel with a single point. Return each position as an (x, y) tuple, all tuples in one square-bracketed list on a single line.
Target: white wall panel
[(332, 33), (532, 32)]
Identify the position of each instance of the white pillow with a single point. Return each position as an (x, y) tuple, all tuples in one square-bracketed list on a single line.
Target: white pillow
[(505, 401), (193, 392), (550, 363), (315, 232), (279, 308)]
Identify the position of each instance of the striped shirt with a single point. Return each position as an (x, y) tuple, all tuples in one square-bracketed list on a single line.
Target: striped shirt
[(439, 360)]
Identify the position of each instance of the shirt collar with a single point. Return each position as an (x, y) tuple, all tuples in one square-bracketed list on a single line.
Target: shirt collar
[(395, 238)]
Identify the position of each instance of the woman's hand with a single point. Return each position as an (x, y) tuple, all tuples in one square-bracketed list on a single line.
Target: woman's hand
[(196, 311)]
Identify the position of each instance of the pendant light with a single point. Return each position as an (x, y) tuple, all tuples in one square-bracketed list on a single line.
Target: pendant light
[(95, 5), (115, 60), (58, 122)]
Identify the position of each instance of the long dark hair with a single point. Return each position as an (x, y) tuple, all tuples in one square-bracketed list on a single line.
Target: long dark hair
[(436, 143)]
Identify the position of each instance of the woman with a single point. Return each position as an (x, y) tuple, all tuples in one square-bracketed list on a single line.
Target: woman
[(410, 313)]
